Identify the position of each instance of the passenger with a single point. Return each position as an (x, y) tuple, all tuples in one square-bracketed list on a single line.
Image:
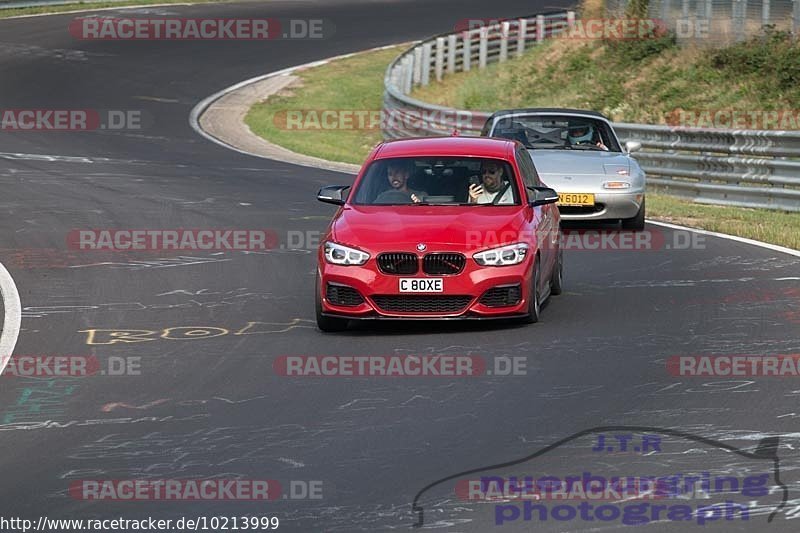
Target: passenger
[(494, 184)]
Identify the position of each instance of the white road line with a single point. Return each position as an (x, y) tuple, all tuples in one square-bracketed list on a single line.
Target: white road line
[(13, 317), (774, 247)]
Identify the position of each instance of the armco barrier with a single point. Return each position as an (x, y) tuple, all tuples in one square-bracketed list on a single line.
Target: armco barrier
[(727, 167)]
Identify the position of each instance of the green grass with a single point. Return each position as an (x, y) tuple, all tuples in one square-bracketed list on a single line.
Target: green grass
[(37, 10), (775, 227), (354, 83), (357, 83)]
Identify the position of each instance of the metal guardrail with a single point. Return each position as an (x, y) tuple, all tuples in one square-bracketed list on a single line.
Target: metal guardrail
[(726, 167)]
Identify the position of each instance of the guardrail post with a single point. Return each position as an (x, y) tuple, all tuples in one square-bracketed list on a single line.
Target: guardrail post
[(417, 65), (765, 14), (522, 30), (439, 64), (796, 18), (570, 18), (466, 51), (539, 28), (483, 46), (739, 13), (426, 64), (408, 74), (665, 11), (505, 29), (451, 53)]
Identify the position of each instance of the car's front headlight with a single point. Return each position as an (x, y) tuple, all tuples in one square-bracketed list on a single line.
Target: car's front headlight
[(511, 254), (344, 255)]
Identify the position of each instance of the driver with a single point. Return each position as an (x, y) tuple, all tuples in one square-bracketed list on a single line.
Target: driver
[(494, 184), (583, 134), (398, 172)]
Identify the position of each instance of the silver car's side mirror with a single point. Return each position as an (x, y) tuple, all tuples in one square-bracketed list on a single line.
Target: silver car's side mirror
[(633, 146)]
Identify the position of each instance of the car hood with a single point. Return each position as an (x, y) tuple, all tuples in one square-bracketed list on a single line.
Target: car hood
[(448, 228), (579, 168)]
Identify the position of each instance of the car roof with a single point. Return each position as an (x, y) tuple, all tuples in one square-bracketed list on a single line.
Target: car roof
[(453, 146), (546, 111)]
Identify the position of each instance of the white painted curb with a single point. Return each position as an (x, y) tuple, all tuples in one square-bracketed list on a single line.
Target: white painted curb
[(200, 108), (12, 319)]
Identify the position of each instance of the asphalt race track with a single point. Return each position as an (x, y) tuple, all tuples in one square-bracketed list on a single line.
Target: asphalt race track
[(207, 403)]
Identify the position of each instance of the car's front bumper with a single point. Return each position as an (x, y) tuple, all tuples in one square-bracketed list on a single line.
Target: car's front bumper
[(382, 298), (608, 206)]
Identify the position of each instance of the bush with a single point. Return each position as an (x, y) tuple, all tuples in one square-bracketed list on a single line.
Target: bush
[(774, 48), (637, 50)]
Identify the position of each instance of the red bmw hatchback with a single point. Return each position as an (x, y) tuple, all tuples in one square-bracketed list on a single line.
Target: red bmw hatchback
[(440, 228)]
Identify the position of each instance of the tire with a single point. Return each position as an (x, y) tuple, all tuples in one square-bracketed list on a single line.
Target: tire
[(557, 280), (534, 301), (327, 324), (636, 223)]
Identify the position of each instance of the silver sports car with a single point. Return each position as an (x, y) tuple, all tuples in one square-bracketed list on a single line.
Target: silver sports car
[(578, 154)]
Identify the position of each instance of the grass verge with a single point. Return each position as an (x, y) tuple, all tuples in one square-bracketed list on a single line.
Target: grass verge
[(39, 10), (357, 83), (646, 81), (353, 83)]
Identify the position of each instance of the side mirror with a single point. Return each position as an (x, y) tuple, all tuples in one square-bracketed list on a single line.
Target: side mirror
[(543, 195), (333, 194), (633, 146)]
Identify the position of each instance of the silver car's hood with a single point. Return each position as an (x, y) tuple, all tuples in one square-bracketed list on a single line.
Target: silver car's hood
[(579, 168)]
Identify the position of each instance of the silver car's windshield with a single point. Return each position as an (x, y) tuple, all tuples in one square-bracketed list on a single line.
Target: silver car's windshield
[(557, 132)]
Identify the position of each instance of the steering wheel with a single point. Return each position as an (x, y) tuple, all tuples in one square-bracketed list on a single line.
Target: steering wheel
[(394, 197)]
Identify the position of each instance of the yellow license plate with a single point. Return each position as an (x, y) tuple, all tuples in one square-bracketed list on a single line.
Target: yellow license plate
[(576, 198)]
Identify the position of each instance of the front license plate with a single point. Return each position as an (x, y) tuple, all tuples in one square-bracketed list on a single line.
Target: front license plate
[(576, 198), (421, 285)]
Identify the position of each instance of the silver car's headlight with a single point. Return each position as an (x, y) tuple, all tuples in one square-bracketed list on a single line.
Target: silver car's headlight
[(512, 254), (344, 255)]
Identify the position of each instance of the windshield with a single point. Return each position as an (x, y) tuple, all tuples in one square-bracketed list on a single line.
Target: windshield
[(557, 132), (477, 182)]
